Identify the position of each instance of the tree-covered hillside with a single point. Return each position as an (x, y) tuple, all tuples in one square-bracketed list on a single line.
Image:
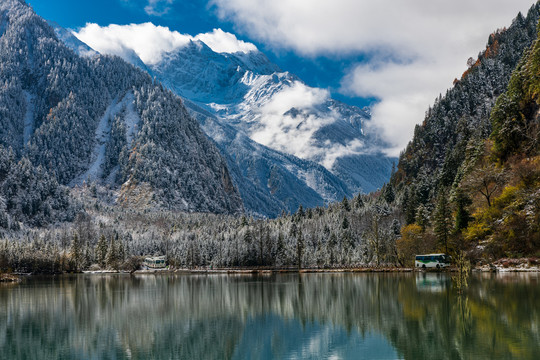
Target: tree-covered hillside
[(461, 118), (30, 195), (98, 118), (468, 181), (469, 178)]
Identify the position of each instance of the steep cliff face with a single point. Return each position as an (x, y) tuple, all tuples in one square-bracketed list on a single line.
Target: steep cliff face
[(98, 118)]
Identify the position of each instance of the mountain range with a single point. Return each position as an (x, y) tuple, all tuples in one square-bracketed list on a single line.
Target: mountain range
[(269, 143), (83, 119), (286, 143), (467, 183)]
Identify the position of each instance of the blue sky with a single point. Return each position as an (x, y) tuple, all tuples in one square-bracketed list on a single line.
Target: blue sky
[(395, 55), (194, 17)]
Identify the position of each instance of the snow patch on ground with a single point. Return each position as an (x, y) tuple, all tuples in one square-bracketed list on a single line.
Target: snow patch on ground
[(132, 118), (312, 180), (28, 117), (103, 134)]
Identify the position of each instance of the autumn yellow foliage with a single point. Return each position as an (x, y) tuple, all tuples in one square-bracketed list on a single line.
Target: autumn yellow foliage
[(414, 240)]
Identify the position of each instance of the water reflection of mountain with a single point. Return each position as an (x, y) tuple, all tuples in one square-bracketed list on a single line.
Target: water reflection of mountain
[(224, 317)]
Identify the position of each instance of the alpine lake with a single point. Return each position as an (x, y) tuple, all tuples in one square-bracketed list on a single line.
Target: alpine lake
[(281, 316)]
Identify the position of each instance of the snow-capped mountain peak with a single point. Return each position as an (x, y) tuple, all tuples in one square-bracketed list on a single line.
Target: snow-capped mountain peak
[(253, 98)]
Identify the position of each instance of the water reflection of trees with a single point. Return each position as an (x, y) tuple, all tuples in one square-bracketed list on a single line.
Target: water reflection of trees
[(190, 316)]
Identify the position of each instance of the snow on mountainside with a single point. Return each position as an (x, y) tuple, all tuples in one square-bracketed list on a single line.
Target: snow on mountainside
[(103, 136), (276, 109), (255, 100), (71, 41), (268, 180), (273, 107), (96, 117), (206, 77), (228, 94)]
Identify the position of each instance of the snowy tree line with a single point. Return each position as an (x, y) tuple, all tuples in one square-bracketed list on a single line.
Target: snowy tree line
[(29, 195), (352, 233)]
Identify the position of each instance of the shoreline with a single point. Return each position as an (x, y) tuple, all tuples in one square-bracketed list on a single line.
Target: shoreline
[(16, 277), (9, 278), (262, 271)]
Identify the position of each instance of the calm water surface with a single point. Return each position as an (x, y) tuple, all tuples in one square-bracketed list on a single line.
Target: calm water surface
[(310, 316)]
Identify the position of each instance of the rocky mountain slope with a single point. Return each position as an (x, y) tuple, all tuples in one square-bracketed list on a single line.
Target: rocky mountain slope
[(100, 118), (245, 102), (270, 181), (276, 109)]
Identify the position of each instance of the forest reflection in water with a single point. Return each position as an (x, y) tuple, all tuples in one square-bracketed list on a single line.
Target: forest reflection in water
[(370, 316)]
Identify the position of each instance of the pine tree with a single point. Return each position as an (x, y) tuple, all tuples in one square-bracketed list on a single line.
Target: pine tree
[(345, 204), (299, 248), (111, 258), (388, 193), (375, 240), (408, 204), (396, 227), (332, 243), (348, 244), (101, 251), (345, 223), (75, 252), (293, 230), (422, 217), (443, 220), (261, 244), (248, 238), (121, 251), (86, 255), (244, 221), (463, 216), (266, 245), (359, 202), (300, 213), (280, 251)]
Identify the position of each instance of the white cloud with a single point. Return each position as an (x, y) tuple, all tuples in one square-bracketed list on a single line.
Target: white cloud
[(332, 152), (406, 91), (431, 39), (158, 7), (148, 41), (151, 42), (291, 133), (288, 121), (224, 42)]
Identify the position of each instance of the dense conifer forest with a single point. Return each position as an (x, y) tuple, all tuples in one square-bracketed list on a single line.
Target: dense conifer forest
[(470, 177), (467, 182)]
